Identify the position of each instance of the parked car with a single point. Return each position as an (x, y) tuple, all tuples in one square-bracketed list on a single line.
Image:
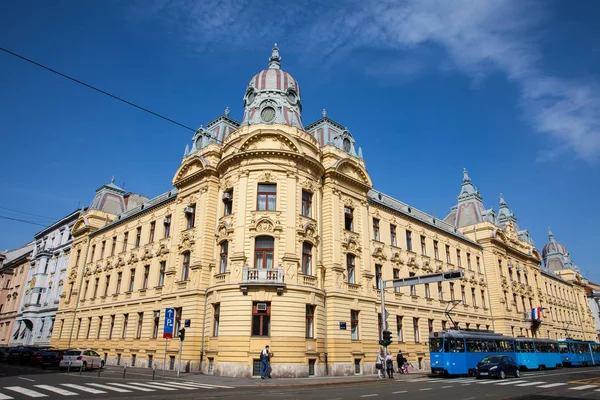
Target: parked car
[(36, 357), (4, 354), (21, 355), (51, 358), (497, 367), (77, 358)]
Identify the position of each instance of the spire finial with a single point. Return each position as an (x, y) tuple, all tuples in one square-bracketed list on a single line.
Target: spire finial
[(275, 59), (227, 111), (502, 202), (324, 113), (466, 176), (112, 180), (550, 235)]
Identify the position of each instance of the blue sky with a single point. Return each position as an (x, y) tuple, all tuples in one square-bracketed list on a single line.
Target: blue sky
[(507, 89)]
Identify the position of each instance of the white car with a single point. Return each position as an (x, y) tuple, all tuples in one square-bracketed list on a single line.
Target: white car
[(76, 358)]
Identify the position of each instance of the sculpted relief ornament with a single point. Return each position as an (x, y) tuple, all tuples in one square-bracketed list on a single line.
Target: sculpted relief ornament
[(187, 241)]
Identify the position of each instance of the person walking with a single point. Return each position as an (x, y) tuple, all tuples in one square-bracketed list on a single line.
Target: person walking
[(400, 361), (380, 364), (389, 365), (265, 367)]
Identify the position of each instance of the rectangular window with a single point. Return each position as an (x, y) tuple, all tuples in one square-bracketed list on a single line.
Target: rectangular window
[(413, 289), (228, 202), (307, 258), (376, 229), (102, 249), (409, 240), (76, 260), (306, 204), (478, 264), (350, 268), (146, 275), (96, 284), (396, 275), (93, 252), (440, 291), (348, 219), (112, 327), (85, 289), (448, 259), (216, 318), (138, 332), (399, 331), (119, 280), (423, 246), (125, 322), (161, 273), (125, 237), (469, 262), (458, 261), (394, 240), (427, 293), (155, 324), (416, 330), (261, 319), (452, 298), (113, 246), (473, 299), (89, 328), (185, 267), (354, 324), (443, 325), (106, 285), (430, 325), (224, 255), (436, 251), (267, 197), (263, 252), (131, 279), (152, 230), (78, 327), (167, 226), (190, 216), (463, 294), (500, 267), (378, 276), (177, 322), (483, 298), (310, 321)]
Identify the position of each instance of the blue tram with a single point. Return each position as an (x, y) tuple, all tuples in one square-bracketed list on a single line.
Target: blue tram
[(532, 353), (457, 352), (576, 353)]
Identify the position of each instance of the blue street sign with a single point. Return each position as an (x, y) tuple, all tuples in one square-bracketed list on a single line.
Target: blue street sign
[(169, 322), (343, 326), (187, 323)]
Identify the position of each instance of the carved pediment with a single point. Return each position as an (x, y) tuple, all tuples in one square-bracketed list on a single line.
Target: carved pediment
[(379, 254), (353, 170), (307, 230), (265, 224), (224, 231), (269, 141), (163, 249), (412, 262), (147, 254), (132, 258), (186, 242), (397, 257), (351, 243)]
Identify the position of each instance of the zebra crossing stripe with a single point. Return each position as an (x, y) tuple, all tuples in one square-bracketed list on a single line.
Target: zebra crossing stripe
[(530, 383), (26, 392), (583, 387), (551, 385), (189, 385), (204, 385), (82, 388), (510, 382), (107, 387), (485, 382), (5, 397), (58, 390), (152, 386), (161, 385), (131, 386)]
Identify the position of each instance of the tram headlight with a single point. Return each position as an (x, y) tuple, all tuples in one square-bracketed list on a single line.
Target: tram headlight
[(436, 362)]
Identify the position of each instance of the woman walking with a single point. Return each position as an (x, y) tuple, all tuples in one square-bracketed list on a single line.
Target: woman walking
[(380, 364)]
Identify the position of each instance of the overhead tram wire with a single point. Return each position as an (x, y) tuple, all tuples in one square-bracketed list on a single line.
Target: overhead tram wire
[(31, 214), (125, 101), (24, 221)]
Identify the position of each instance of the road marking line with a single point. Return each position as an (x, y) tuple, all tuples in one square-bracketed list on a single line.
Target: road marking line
[(583, 387), (26, 379), (369, 395), (550, 385), (400, 391), (188, 385), (64, 392), (418, 380), (152, 386), (510, 382), (83, 388), (26, 392), (5, 397), (114, 389), (469, 398), (445, 387), (161, 385), (131, 386), (204, 385), (425, 389), (466, 384), (530, 383), (485, 382)]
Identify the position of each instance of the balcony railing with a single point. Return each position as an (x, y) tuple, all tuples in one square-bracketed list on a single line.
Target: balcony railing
[(262, 276)]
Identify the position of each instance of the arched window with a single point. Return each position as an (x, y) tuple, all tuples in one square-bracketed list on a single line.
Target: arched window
[(350, 268), (263, 250), (223, 256), (306, 258)]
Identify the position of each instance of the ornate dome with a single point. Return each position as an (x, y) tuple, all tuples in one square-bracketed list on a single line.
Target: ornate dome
[(273, 96), (553, 247)]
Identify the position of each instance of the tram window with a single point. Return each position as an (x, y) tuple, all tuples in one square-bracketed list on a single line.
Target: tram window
[(460, 345), (447, 345), (435, 345), (563, 348)]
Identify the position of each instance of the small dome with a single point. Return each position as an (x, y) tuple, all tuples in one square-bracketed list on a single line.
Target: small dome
[(273, 79), (553, 247)]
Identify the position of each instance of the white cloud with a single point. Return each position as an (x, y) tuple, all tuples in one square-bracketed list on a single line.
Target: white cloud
[(478, 37)]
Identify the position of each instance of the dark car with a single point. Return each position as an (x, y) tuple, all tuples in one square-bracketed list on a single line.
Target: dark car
[(497, 367), (4, 354), (52, 358), (36, 357), (21, 355)]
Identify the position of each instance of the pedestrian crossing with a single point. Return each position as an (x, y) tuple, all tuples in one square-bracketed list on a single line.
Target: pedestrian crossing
[(509, 382), (85, 389)]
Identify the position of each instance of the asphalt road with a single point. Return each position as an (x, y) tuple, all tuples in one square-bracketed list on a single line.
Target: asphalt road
[(18, 382)]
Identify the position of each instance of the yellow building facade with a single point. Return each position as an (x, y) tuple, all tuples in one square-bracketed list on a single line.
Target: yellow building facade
[(272, 235)]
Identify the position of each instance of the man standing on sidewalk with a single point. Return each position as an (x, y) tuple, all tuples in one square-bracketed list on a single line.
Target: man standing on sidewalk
[(265, 368)]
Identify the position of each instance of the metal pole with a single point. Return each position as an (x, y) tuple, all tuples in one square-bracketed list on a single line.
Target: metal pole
[(153, 371), (179, 364), (124, 370), (383, 318), (165, 360)]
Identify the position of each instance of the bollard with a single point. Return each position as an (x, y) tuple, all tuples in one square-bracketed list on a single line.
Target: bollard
[(69, 367), (153, 371), (124, 370), (99, 369), (81, 369)]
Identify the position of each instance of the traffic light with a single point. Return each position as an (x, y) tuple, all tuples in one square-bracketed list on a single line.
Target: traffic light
[(182, 334), (387, 338), (453, 275)]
